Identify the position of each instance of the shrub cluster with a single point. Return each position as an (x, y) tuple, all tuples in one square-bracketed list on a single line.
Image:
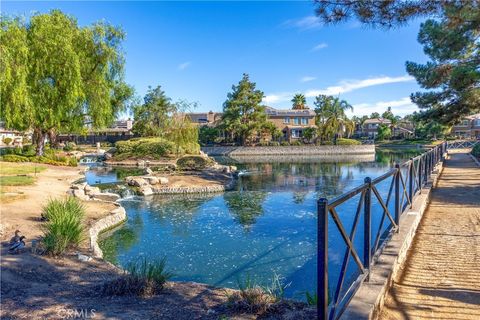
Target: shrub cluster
[(64, 227), (193, 163), (153, 148), (347, 142), (27, 154), (142, 278)]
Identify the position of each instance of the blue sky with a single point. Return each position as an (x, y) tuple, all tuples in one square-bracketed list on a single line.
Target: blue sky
[(198, 50)]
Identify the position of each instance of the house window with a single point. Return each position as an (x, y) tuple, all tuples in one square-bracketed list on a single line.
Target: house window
[(295, 133), (465, 123), (286, 120), (304, 121), (477, 122), (296, 121)]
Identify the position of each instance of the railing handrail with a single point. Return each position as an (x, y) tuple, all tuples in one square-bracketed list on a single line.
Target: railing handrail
[(403, 190)]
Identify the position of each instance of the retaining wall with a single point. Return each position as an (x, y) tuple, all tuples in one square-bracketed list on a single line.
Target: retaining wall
[(290, 150)]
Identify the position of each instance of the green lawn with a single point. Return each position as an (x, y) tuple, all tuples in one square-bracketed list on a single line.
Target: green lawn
[(16, 180), (8, 168)]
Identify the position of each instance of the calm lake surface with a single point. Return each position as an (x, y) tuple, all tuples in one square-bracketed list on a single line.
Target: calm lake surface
[(266, 226)]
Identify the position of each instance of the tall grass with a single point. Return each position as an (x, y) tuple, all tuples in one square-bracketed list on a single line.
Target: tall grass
[(64, 228), (252, 297), (142, 278)]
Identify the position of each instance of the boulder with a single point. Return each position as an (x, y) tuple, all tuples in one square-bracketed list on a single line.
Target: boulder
[(89, 190), (233, 168), (152, 180), (136, 181), (226, 169), (106, 196), (146, 191), (79, 186), (80, 194), (163, 180), (148, 171)]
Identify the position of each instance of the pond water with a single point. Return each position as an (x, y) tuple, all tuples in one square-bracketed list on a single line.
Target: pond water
[(266, 226)]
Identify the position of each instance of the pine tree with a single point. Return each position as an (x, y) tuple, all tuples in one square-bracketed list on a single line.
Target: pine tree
[(243, 114)]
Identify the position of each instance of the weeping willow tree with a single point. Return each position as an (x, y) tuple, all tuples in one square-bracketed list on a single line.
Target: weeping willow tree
[(182, 131), (55, 75)]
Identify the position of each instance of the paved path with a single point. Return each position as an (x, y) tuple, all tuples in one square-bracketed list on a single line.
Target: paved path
[(441, 279)]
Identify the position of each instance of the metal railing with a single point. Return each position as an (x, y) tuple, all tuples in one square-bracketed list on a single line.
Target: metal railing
[(406, 182), (461, 144)]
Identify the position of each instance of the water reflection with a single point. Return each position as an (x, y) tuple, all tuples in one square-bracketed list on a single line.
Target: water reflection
[(266, 225)]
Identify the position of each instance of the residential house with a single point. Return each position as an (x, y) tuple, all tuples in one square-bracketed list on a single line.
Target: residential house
[(15, 136), (369, 127), (468, 128), (404, 129), (291, 123), (205, 118)]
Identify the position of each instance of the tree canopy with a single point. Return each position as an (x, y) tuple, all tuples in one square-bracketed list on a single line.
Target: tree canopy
[(152, 118), (450, 37), (56, 76), (299, 102), (243, 114), (331, 119)]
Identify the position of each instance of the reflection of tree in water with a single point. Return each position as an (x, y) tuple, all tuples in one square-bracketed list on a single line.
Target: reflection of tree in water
[(178, 211), (299, 197), (245, 206), (333, 179), (121, 239)]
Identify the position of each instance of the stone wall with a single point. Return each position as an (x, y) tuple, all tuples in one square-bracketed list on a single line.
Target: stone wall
[(116, 217), (289, 150)]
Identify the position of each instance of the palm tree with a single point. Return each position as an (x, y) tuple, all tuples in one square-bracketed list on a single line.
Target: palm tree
[(299, 102), (331, 118)]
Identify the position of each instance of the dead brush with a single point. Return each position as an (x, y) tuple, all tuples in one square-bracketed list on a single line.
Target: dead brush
[(141, 278), (254, 298)]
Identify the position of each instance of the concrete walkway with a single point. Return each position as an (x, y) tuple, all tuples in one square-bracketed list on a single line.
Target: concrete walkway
[(441, 277)]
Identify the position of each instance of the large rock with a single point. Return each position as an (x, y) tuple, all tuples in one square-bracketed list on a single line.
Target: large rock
[(148, 171), (136, 181), (146, 191), (152, 180), (106, 196), (89, 190), (79, 186), (80, 194), (163, 180)]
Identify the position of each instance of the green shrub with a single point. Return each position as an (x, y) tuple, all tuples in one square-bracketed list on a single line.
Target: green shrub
[(7, 140), (29, 150), (69, 146), (14, 158), (347, 142), (147, 147), (106, 144), (274, 143), (142, 278), (194, 163), (64, 228), (284, 143), (296, 143), (476, 150)]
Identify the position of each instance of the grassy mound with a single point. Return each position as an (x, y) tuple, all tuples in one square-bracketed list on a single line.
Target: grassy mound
[(193, 163), (64, 228)]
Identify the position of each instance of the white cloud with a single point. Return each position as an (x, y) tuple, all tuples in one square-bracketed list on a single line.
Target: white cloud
[(342, 87), (319, 46), (400, 107), (185, 65), (350, 85), (307, 79), (305, 23)]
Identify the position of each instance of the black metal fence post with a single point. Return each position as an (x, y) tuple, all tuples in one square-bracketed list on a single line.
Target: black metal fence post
[(367, 233), (322, 259), (419, 174), (397, 196), (410, 182)]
